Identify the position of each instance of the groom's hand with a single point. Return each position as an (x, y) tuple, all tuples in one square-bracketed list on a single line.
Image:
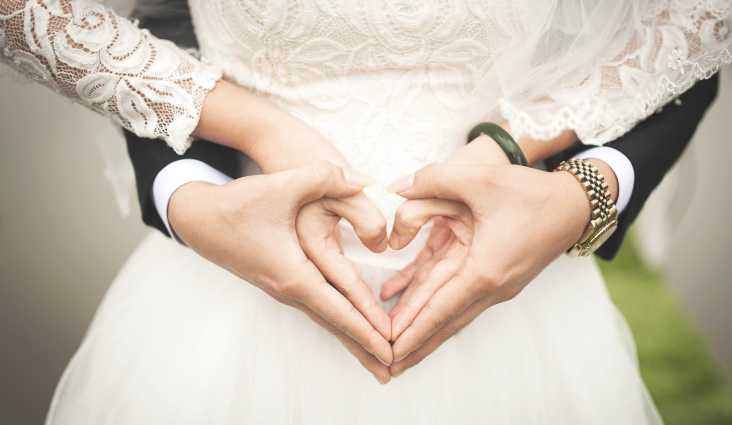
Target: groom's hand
[(248, 227), (520, 220)]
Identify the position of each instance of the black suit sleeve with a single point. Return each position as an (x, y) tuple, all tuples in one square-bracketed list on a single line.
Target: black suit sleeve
[(653, 147), (171, 21)]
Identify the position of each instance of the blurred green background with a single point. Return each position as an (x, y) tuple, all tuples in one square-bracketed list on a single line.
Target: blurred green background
[(685, 381)]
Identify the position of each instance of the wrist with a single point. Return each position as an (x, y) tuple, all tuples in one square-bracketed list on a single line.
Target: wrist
[(603, 213), (483, 150), (293, 144), (610, 178), (539, 150), (188, 206), (573, 208), (272, 137)]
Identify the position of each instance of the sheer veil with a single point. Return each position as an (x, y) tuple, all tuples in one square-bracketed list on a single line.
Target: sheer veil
[(595, 66), (600, 66)]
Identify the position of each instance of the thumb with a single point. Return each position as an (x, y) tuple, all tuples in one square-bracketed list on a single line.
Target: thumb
[(413, 214), (322, 179), (446, 181), (367, 220)]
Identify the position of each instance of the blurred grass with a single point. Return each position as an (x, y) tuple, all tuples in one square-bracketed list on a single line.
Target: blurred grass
[(686, 383)]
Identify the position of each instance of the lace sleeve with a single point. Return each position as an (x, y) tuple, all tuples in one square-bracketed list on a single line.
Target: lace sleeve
[(84, 51), (656, 51)]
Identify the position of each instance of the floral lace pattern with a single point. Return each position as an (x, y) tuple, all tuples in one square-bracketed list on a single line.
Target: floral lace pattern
[(398, 84), (387, 82), (89, 54), (678, 43)]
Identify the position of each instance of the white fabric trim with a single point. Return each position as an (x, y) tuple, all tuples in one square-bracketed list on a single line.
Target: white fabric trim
[(622, 167), (175, 175)]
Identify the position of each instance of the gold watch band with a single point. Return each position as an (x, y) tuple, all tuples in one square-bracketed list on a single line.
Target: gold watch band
[(604, 215)]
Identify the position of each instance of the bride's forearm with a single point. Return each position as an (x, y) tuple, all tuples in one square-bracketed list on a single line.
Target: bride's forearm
[(272, 137), (484, 150), (539, 150)]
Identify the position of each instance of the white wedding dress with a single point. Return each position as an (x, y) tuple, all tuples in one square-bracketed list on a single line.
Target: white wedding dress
[(395, 86)]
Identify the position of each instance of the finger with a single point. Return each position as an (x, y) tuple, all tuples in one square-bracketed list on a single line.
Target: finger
[(329, 304), (445, 181), (367, 360), (419, 277), (454, 297), (367, 220), (399, 281), (439, 338), (439, 236), (318, 180), (341, 273), (413, 214), (437, 278)]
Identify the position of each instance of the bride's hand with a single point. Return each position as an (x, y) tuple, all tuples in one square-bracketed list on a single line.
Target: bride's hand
[(509, 223), (248, 227), (319, 237)]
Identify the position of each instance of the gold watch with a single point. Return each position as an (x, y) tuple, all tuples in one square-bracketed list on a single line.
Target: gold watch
[(604, 220)]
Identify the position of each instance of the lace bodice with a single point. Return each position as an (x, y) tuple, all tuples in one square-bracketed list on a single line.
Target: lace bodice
[(86, 52), (398, 84), (394, 84), (387, 82)]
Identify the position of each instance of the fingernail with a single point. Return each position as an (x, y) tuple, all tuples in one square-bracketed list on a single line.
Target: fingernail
[(394, 240), (401, 184), (358, 178), (401, 358), (396, 375)]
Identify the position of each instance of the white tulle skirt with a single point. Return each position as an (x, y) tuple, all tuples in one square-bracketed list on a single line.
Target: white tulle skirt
[(179, 341)]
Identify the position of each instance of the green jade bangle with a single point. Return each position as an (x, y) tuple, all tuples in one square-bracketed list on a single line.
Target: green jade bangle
[(504, 140)]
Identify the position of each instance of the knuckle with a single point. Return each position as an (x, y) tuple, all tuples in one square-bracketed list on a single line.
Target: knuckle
[(342, 322), (343, 338), (431, 169), (440, 317), (323, 172), (349, 288), (290, 290), (512, 292), (374, 337), (374, 228), (280, 185), (434, 172), (407, 214), (490, 280), (442, 337), (455, 331)]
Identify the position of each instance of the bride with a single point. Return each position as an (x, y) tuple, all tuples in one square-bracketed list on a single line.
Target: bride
[(313, 91)]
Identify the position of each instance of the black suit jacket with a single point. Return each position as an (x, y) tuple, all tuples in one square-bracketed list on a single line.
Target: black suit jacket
[(653, 146)]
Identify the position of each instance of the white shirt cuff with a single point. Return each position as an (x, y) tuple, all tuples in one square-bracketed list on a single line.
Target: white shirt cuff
[(622, 168), (175, 175)]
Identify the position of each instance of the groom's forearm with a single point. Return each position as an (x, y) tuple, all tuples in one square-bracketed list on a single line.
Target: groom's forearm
[(653, 147), (150, 157)]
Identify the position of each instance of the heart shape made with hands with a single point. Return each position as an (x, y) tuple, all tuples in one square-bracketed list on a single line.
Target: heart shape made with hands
[(439, 261)]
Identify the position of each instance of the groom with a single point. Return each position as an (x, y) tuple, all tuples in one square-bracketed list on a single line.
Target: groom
[(639, 160)]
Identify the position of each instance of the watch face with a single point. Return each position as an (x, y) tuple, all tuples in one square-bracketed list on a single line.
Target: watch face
[(603, 236)]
